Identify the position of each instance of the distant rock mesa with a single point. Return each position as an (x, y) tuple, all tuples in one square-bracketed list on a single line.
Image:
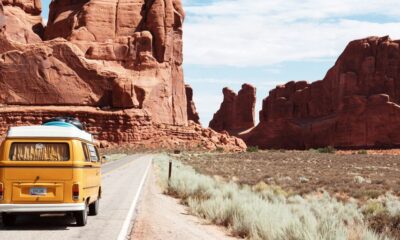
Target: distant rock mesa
[(356, 105), (115, 64)]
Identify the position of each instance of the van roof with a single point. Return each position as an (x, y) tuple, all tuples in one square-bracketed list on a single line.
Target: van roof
[(48, 132)]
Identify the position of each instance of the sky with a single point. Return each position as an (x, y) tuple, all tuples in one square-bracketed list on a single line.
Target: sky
[(270, 42)]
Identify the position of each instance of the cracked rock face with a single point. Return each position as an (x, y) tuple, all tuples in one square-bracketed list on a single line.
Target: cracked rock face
[(356, 105), (2, 19), (21, 21), (120, 21), (109, 62), (106, 53)]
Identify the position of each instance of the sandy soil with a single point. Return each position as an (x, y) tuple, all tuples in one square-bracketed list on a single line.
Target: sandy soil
[(362, 176), (162, 217)]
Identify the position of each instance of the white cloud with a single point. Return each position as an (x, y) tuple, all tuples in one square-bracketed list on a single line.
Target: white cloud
[(266, 83), (262, 32)]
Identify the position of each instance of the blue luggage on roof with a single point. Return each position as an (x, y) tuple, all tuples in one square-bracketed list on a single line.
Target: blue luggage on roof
[(64, 122), (58, 124)]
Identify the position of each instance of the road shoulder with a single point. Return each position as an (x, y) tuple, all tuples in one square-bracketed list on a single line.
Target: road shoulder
[(162, 217)]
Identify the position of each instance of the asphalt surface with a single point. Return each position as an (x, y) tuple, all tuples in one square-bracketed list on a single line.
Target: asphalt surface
[(122, 181)]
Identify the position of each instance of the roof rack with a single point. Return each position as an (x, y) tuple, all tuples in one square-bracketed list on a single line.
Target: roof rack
[(58, 127), (43, 131)]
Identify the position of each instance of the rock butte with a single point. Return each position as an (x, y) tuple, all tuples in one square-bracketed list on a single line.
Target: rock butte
[(236, 113), (115, 64), (356, 105)]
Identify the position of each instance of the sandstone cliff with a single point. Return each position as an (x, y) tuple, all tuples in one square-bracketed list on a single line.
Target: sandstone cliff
[(24, 23), (126, 75), (236, 113), (356, 105), (119, 62)]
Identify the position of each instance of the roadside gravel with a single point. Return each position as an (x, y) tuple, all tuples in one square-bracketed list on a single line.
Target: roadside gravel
[(162, 217)]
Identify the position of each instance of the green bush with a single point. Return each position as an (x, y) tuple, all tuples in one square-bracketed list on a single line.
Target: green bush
[(219, 149), (328, 149), (362, 152), (252, 149), (368, 193), (373, 208)]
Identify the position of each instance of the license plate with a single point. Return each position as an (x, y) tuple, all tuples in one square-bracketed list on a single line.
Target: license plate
[(38, 191)]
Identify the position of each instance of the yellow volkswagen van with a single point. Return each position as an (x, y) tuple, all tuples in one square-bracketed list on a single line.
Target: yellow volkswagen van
[(50, 168)]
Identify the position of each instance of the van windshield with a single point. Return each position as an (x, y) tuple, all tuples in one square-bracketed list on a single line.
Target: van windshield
[(39, 151)]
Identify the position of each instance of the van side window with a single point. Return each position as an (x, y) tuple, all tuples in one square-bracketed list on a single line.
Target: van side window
[(85, 151), (93, 153)]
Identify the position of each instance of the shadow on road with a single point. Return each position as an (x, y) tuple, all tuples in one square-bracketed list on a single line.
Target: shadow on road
[(44, 222)]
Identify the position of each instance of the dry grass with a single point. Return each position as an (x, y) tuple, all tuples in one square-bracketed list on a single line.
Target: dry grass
[(267, 212), (383, 215)]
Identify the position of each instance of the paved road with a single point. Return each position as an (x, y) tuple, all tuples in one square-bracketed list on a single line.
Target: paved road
[(121, 183)]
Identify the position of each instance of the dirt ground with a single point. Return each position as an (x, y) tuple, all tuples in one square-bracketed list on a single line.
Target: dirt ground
[(346, 173), (162, 217)]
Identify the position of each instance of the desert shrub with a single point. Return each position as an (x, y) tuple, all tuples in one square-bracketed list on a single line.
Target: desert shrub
[(392, 204), (373, 208), (328, 149), (359, 180), (383, 215), (252, 149), (219, 149), (385, 223), (272, 193), (368, 193), (264, 211), (362, 152)]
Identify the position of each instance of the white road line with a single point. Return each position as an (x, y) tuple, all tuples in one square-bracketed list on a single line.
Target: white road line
[(125, 227)]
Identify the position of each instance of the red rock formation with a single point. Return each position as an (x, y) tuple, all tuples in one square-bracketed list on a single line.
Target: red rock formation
[(24, 23), (191, 107), (2, 19), (356, 105), (127, 67), (117, 59), (237, 111), (126, 60)]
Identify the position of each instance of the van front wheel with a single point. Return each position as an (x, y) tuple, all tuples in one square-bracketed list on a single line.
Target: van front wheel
[(9, 219), (81, 217), (94, 208)]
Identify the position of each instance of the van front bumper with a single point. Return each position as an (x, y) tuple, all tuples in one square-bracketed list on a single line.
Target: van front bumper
[(27, 208)]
